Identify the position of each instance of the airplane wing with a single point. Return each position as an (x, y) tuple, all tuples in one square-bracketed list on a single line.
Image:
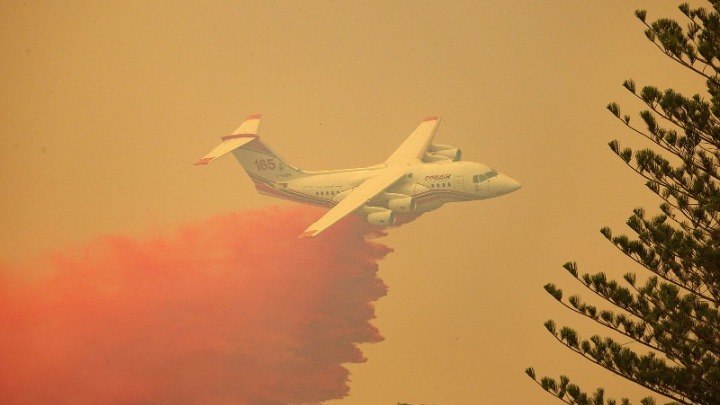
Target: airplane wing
[(246, 132), (416, 144), (359, 196)]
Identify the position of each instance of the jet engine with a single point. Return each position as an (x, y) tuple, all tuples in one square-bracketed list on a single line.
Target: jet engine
[(381, 217), (401, 203), (432, 158), (437, 153)]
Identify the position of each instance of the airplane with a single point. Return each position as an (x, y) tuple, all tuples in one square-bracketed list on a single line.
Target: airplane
[(420, 176)]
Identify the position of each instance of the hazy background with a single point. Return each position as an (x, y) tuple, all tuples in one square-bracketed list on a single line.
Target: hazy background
[(105, 106)]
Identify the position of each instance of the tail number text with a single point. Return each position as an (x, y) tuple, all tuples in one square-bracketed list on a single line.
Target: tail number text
[(265, 164)]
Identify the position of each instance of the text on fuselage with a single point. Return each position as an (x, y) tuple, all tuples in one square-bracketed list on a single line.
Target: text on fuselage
[(437, 177)]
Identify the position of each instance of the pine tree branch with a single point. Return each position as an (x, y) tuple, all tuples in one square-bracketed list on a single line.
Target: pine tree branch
[(677, 59), (642, 317), (676, 151), (669, 186), (669, 280), (670, 148), (671, 311), (623, 332), (682, 62), (665, 392), (675, 358), (678, 279), (653, 247), (671, 314), (563, 399)]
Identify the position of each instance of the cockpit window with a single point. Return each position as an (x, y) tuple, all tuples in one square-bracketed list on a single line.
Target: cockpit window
[(491, 174), (479, 178)]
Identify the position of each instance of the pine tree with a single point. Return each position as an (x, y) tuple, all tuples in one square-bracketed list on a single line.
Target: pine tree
[(672, 312)]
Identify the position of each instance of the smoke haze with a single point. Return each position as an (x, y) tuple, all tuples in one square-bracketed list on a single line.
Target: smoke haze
[(234, 309)]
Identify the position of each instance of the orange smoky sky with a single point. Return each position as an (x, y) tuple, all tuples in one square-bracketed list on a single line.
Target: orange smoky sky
[(106, 105)]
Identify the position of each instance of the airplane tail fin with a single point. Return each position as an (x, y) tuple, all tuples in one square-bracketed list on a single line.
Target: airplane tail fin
[(261, 163)]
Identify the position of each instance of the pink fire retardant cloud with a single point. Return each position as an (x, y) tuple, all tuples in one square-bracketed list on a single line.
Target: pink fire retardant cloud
[(232, 310)]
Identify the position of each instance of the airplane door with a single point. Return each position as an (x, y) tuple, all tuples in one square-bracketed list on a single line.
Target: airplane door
[(459, 184), (308, 190)]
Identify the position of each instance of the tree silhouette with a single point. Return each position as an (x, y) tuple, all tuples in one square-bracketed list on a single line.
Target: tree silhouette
[(672, 312)]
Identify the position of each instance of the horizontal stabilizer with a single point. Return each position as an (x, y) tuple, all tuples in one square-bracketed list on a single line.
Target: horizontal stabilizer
[(228, 145), (251, 125), (246, 133)]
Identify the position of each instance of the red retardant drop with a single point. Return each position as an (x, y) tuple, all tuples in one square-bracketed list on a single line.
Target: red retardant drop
[(232, 310)]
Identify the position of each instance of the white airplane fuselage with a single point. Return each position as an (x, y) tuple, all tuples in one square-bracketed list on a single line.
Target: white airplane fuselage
[(418, 177), (428, 185)]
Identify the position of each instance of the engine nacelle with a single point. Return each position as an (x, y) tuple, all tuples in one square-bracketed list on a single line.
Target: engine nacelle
[(447, 151), (402, 204), (434, 147), (432, 158), (381, 218), (452, 154)]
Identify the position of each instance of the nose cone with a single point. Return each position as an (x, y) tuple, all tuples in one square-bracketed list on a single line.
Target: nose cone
[(507, 185), (513, 185)]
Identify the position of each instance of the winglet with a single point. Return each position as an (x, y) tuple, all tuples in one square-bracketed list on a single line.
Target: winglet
[(435, 118), (308, 234)]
